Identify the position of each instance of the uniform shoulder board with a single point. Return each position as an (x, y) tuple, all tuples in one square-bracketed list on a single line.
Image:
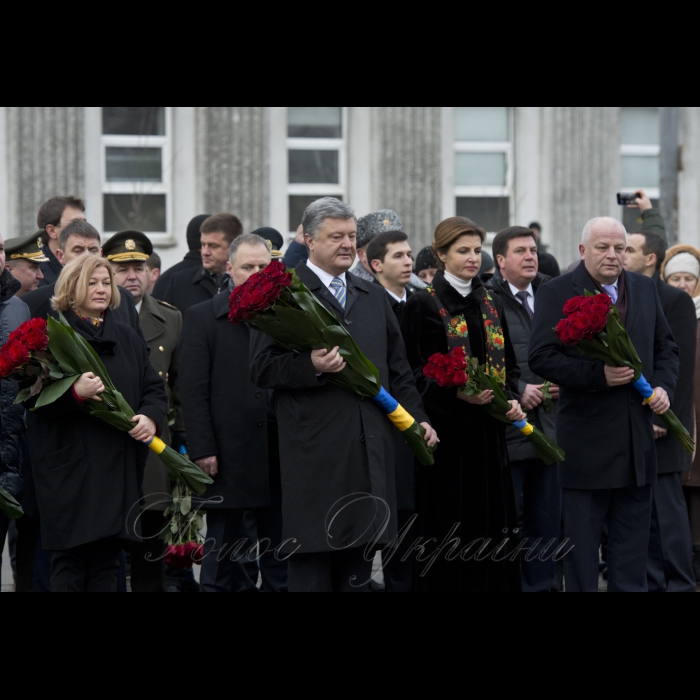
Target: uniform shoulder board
[(165, 303)]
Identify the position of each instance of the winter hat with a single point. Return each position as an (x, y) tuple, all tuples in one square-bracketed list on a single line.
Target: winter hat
[(487, 263), (683, 262), (425, 260), (373, 224), (194, 236)]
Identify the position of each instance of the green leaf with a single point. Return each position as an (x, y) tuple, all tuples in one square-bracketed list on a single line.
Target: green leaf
[(23, 395), (186, 505), (53, 392), (63, 347), (9, 505), (115, 419)]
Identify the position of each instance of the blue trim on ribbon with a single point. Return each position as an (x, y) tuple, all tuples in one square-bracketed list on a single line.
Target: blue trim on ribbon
[(520, 424), (150, 442), (643, 387), (386, 401)]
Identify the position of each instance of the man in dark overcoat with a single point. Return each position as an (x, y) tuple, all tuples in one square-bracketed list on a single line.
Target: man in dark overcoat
[(231, 435), (336, 448), (604, 426), (191, 286), (538, 495), (670, 566), (129, 253)]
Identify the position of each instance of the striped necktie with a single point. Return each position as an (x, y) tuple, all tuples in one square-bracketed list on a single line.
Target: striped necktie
[(339, 292)]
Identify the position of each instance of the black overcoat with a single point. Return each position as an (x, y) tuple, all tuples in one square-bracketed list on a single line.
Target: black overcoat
[(189, 287), (606, 433), (679, 310), (191, 261), (520, 328), (87, 474), (336, 448), (225, 413), (470, 484)]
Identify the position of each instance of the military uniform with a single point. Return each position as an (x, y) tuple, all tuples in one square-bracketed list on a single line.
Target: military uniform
[(28, 248), (161, 325)]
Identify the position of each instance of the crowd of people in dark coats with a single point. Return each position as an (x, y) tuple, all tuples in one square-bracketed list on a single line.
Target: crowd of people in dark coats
[(313, 489)]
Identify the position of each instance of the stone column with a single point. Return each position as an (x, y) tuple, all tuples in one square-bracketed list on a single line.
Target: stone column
[(408, 167), (581, 173), (45, 157), (233, 162)]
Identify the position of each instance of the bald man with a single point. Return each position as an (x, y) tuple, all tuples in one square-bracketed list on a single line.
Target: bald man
[(604, 427)]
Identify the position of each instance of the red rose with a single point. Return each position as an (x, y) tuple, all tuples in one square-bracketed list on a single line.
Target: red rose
[(562, 327), (573, 305), (576, 335), (17, 353), (598, 322), (599, 309), (430, 371), (460, 379), (6, 367), (583, 321), (35, 339)]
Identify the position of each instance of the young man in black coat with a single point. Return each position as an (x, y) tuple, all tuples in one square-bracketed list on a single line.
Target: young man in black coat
[(231, 435), (337, 449), (670, 566), (191, 261), (390, 256), (538, 495), (604, 426), (195, 285)]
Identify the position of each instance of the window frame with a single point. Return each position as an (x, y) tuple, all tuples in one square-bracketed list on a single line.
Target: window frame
[(632, 150), (505, 147), (135, 187), (321, 144)]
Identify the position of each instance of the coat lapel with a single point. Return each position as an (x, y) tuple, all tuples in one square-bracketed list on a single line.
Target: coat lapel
[(314, 284), (153, 322), (582, 282), (221, 305), (631, 289)]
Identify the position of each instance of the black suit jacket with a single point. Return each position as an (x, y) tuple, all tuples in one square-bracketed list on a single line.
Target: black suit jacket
[(225, 413), (607, 433), (51, 269), (189, 287), (334, 444), (39, 303), (680, 314)]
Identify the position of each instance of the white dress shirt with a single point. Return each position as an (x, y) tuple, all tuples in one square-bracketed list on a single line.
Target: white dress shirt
[(530, 295), (404, 298), (325, 277), (138, 306)]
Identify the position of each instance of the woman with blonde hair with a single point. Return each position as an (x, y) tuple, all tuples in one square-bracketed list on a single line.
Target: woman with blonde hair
[(88, 475), (681, 269), (468, 495)]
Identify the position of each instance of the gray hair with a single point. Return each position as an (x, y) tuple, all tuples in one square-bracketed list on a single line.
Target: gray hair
[(588, 228), (250, 239), (322, 209)]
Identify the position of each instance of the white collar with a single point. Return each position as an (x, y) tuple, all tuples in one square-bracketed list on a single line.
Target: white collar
[(399, 299), (530, 291), (464, 288), (138, 306), (325, 277)]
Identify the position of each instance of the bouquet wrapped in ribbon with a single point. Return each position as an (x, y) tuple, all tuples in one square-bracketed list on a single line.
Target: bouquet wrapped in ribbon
[(277, 303), (48, 358), (593, 325), (456, 370)]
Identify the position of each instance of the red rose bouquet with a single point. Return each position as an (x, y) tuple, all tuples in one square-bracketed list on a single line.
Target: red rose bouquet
[(276, 302), (593, 325), (47, 358), (183, 537), (456, 370)]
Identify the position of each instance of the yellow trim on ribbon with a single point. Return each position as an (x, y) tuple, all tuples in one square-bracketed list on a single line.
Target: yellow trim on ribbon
[(402, 419), (649, 401), (158, 446), (527, 430)]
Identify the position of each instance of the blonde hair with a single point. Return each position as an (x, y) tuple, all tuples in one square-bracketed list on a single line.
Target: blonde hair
[(74, 282)]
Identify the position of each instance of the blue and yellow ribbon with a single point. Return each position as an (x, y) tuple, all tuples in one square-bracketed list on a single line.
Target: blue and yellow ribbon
[(157, 445), (396, 413), (524, 427)]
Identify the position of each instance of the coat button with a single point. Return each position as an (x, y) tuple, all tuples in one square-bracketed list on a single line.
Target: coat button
[(362, 439), (348, 323), (160, 374), (258, 395), (161, 348), (260, 424)]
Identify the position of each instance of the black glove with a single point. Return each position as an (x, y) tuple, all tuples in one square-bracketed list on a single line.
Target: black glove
[(179, 439)]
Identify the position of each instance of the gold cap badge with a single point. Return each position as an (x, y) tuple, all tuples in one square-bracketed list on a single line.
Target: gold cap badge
[(130, 245)]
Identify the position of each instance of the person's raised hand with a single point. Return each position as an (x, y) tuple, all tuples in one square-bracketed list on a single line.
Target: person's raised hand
[(532, 396), (659, 432), (299, 237), (618, 376), (328, 362), (483, 399), (145, 429), (516, 413), (661, 403), (209, 465), (431, 437), (643, 201), (89, 387)]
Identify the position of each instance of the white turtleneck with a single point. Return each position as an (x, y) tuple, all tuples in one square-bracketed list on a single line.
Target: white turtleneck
[(464, 288)]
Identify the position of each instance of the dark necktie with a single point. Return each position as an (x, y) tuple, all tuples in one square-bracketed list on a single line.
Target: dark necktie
[(525, 299)]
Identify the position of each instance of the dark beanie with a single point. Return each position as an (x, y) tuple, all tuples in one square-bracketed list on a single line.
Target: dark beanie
[(425, 260), (272, 235), (194, 237), (487, 263)]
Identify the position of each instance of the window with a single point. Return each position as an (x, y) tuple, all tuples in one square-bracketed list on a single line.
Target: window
[(317, 157), (641, 153), (484, 165), (136, 165)]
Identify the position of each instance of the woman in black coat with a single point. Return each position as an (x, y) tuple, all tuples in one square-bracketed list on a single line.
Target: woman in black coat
[(88, 475), (465, 501)]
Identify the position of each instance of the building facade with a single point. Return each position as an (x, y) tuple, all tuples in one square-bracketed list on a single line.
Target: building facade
[(154, 168)]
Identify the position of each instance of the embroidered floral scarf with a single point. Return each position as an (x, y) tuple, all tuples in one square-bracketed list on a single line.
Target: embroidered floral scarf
[(457, 331)]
